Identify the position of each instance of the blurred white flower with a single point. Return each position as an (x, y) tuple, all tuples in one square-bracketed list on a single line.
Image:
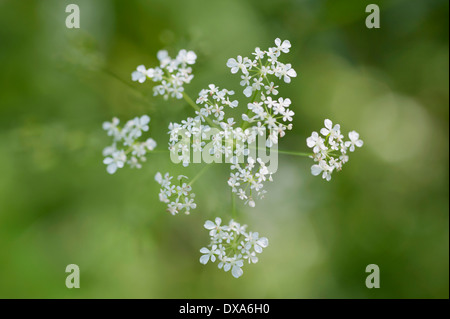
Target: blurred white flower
[(140, 75), (126, 142), (171, 74)]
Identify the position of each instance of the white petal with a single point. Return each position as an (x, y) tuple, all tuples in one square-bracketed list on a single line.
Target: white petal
[(204, 259), (316, 169), (111, 169), (145, 119), (231, 63), (237, 272), (263, 242), (248, 91), (141, 68), (162, 54), (324, 131), (135, 75), (353, 135), (209, 224), (291, 73)]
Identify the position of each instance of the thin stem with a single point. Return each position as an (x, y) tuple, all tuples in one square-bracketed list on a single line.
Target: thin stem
[(284, 152), (294, 153), (113, 75), (199, 174), (246, 124), (233, 205), (190, 102), (188, 99)]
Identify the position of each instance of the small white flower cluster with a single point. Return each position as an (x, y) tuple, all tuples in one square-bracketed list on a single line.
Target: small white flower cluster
[(177, 198), (126, 142), (220, 98), (330, 151), (256, 71), (180, 136), (172, 74), (249, 176), (231, 245), (192, 131), (268, 114)]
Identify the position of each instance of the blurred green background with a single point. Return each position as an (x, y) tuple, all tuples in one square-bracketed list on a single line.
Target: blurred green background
[(389, 206)]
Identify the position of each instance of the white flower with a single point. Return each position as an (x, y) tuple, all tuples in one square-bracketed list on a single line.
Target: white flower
[(188, 57), (236, 267), (213, 227), (112, 128), (287, 72), (258, 53), (209, 254), (141, 124), (354, 141), (150, 144), (283, 47), (117, 160), (140, 74), (235, 65), (323, 168), (315, 142)]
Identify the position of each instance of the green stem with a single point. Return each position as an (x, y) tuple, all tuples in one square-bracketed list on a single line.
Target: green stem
[(284, 152), (294, 153), (233, 206), (197, 108), (244, 125), (199, 174), (113, 75)]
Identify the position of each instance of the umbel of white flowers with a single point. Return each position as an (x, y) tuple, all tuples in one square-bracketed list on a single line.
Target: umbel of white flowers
[(232, 246), (266, 114), (330, 149), (177, 197), (126, 147), (171, 74)]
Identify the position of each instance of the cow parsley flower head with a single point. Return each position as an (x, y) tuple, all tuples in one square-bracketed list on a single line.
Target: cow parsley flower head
[(179, 198), (171, 74), (257, 70), (232, 246), (330, 149), (247, 181), (126, 147)]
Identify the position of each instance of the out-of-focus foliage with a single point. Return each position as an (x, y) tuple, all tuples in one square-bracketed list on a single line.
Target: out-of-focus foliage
[(58, 206)]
